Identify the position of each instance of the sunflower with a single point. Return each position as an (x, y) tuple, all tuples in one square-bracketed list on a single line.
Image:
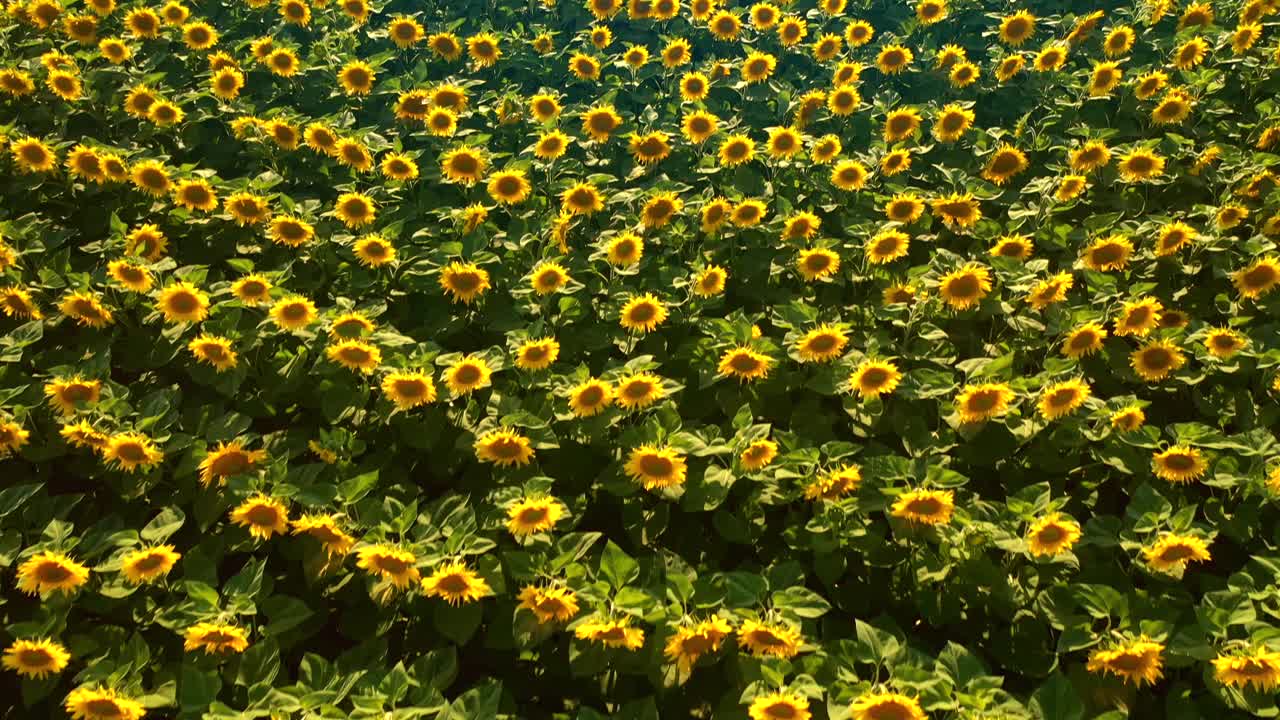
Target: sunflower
[(1050, 291), (355, 355), (1128, 419), (982, 402), (894, 59), (904, 208), (784, 143), (409, 389), (822, 344), (549, 604), (537, 354), (1006, 162), (150, 177), (215, 638), (1014, 247), (611, 633), (1179, 464), (951, 122), (1172, 552), (584, 67), (252, 289), (748, 213), (1173, 108), (758, 455), (533, 515), (355, 210), (581, 199), (849, 175), (47, 572), (390, 564), (1257, 279), (1141, 164), (357, 77), (293, 313), (592, 396), (825, 149), (965, 287), (16, 82), (183, 302), (1108, 253), (1222, 343), (1052, 534), (599, 122), (290, 231), (464, 281), (801, 225), (817, 264), (1070, 188), (650, 148), (758, 67), (791, 30), (100, 703), (660, 209), (886, 706), (1050, 58), (1017, 28), (1190, 53), (1118, 41), (1155, 360), (1244, 36), (262, 515), (677, 52), (36, 658), (467, 374), (887, 246), (858, 33), (642, 313), (692, 641), (135, 278), (780, 705), (1105, 77), (765, 639), (455, 583), (737, 149), (843, 100), (835, 484), (964, 74), (1139, 317), (1063, 398), (70, 394), (551, 145), (399, 166), (86, 309), (655, 467), (1010, 67), (925, 507), (33, 155), (324, 528), (283, 62), (958, 210), (744, 364), (1259, 669), (67, 86), (16, 302), (405, 32), (1137, 661), (195, 194)]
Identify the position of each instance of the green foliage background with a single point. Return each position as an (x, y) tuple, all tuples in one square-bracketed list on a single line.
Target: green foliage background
[(959, 616)]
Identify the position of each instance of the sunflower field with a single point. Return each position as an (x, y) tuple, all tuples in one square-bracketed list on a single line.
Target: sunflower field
[(639, 359)]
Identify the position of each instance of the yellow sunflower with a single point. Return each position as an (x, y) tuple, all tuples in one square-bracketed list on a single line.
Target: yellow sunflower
[(984, 401), (642, 313), (467, 374), (925, 507), (1136, 661), (532, 515), (1179, 464), (36, 658), (49, 572), (1051, 535), (456, 584)]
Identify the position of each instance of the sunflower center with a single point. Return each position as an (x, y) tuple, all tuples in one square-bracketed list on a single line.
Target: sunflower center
[(1258, 277), (964, 286), (766, 638), (643, 313), (744, 363), (637, 389), (984, 400), (262, 515), (467, 374), (103, 708), (52, 573), (873, 378), (817, 263), (34, 658), (149, 563), (1051, 534), (453, 584), (925, 506), (1180, 462), (131, 452), (533, 515), (392, 565), (1157, 358), (1004, 162), (183, 303), (656, 466), (591, 395), (410, 388), (893, 58)]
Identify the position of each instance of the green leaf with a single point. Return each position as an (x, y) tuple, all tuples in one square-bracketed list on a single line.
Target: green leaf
[(617, 566), (162, 526), (1056, 699), (801, 602)]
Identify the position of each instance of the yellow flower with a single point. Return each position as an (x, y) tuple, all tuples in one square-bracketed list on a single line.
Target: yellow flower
[(1258, 669), (611, 633), (1004, 163), (744, 364), (537, 354), (758, 455), (37, 658), (886, 706), (549, 604), (1017, 28), (247, 209), (504, 448), (780, 705), (958, 210), (47, 572), (590, 397), (1052, 534), (981, 402), (904, 208), (1108, 253), (843, 100), (70, 394), (1155, 360), (1223, 342), (355, 210), (737, 149), (390, 564), (659, 210), (655, 467), (1138, 661), (529, 516), (409, 389), (1257, 279), (132, 450), (464, 281), (748, 213), (183, 302), (455, 583), (835, 484), (1141, 164), (951, 122), (639, 390), (148, 564), (264, 516), (965, 287), (849, 175), (1128, 419), (467, 374), (1061, 399), (405, 32), (642, 313), (1179, 464), (1190, 53), (99, 703), (324, 528), (215, 638), (764, 639), (1051, 58), (894, 59)]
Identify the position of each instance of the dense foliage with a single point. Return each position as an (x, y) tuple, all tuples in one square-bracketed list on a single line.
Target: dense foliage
[(651, 360)]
